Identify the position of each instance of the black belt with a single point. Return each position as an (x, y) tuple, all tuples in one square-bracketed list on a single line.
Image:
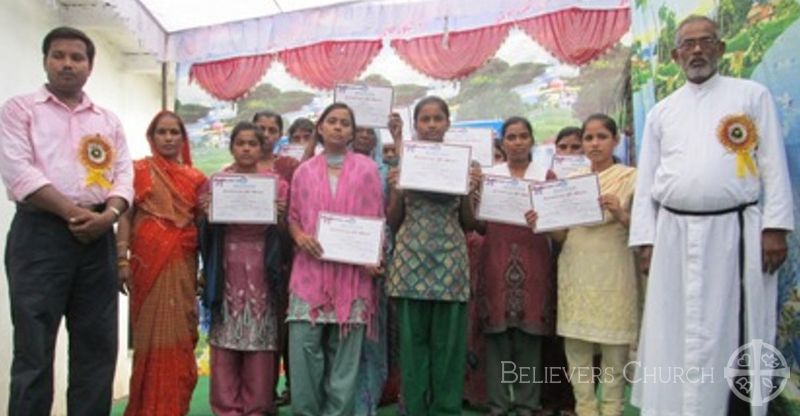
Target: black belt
[(737, 209), (28, 207), (735, 405)]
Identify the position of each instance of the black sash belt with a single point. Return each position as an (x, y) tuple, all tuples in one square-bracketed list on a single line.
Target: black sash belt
[(736, 406)]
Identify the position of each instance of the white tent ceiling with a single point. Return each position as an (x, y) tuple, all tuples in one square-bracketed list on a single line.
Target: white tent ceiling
[(177, 15), (137, 38)]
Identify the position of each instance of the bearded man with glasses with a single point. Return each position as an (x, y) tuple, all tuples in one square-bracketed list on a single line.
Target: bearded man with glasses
[(712, 207)]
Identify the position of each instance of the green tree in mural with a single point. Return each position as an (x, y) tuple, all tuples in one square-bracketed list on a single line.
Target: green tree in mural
[(189, 112), (407, 94), (377, 80), (596, 93), (491, 104), (732, 16), (666, 38), (487, 93), (268, 97)]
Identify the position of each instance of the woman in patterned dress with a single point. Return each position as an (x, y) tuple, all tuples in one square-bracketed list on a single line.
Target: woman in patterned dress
[(242, 279), (429, 279), (519, 288)]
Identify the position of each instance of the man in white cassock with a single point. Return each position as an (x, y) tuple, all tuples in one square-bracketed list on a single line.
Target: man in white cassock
[(712, 191)]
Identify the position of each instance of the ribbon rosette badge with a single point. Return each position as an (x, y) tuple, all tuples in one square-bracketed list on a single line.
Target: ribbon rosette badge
[(96, 155), (739, 135)]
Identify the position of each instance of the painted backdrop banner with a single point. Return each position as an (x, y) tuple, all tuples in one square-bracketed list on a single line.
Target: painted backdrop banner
[(761, 38), (521, 79)]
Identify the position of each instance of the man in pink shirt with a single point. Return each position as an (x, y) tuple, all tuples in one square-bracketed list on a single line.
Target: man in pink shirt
[(65, 163)]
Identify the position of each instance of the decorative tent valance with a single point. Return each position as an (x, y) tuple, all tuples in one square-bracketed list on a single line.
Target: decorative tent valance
[(578, 36), (324, 64), (451, 55), (572, 35), (230, 79)]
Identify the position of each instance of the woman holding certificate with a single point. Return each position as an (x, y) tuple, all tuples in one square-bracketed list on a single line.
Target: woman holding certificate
[(242, 269), (597, 288), (160, 231), (429, 277), (519, 287), (332, 305)]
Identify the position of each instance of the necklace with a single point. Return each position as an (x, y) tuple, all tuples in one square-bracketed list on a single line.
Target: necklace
[(334, 160)]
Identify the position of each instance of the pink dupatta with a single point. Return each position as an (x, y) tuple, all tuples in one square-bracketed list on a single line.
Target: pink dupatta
[(327, 285)]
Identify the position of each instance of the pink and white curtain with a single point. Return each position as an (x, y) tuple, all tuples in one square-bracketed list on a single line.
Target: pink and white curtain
[(576, 36), (451, 55), (230, 79), (324, 64)]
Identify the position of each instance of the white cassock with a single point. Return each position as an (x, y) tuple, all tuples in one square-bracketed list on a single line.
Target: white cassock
[(691, 321)]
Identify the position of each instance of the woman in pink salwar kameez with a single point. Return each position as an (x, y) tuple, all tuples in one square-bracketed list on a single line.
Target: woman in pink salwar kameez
[(332, 306)]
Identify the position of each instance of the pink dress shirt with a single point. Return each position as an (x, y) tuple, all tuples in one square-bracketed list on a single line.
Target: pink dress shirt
[(39, 145)]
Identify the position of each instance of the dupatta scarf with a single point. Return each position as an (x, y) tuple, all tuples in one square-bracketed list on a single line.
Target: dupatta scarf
[(325, 284)]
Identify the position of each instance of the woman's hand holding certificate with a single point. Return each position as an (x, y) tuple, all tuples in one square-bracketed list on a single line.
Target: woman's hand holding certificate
[(435, 167), (240, 198), (504, 200), (566, 203), (350, 239)]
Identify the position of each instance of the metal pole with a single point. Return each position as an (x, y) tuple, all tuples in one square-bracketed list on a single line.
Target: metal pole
[(164, 86)]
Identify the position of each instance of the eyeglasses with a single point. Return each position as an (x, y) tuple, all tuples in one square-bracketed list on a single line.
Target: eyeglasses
[(705, 43), (564, 146)]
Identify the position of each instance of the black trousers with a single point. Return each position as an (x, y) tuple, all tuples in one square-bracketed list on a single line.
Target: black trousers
[(52, 275)]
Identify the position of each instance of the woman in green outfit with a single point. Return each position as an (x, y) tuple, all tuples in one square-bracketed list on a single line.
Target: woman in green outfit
[(429, 277)]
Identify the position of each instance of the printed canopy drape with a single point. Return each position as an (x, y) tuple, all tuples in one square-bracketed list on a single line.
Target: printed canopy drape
[(576, 36), (451, 55), (324, 64), (230, 79)]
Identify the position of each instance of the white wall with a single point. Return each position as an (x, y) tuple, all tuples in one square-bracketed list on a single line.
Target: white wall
[(135, 98)]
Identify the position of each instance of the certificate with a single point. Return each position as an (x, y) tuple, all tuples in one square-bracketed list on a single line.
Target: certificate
[(371, 105), (435, 167), (565, 165), (479, 139), (350, 239), (294, 151), (238, 198), (504, 199), (566, 203)]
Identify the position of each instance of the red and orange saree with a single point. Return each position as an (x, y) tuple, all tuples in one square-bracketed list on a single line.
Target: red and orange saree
[(164, 286)]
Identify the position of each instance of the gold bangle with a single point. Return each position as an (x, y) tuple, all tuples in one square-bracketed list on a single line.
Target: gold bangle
[(122, 262)]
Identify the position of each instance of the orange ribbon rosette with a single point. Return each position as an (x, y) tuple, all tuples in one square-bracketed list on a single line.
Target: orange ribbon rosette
[(738, 134), (97, 156)]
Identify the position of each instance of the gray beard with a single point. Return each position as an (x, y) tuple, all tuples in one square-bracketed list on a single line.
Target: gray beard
[(700, 75)]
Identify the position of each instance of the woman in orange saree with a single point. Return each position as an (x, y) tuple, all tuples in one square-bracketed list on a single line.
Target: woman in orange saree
[(160, 271)]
